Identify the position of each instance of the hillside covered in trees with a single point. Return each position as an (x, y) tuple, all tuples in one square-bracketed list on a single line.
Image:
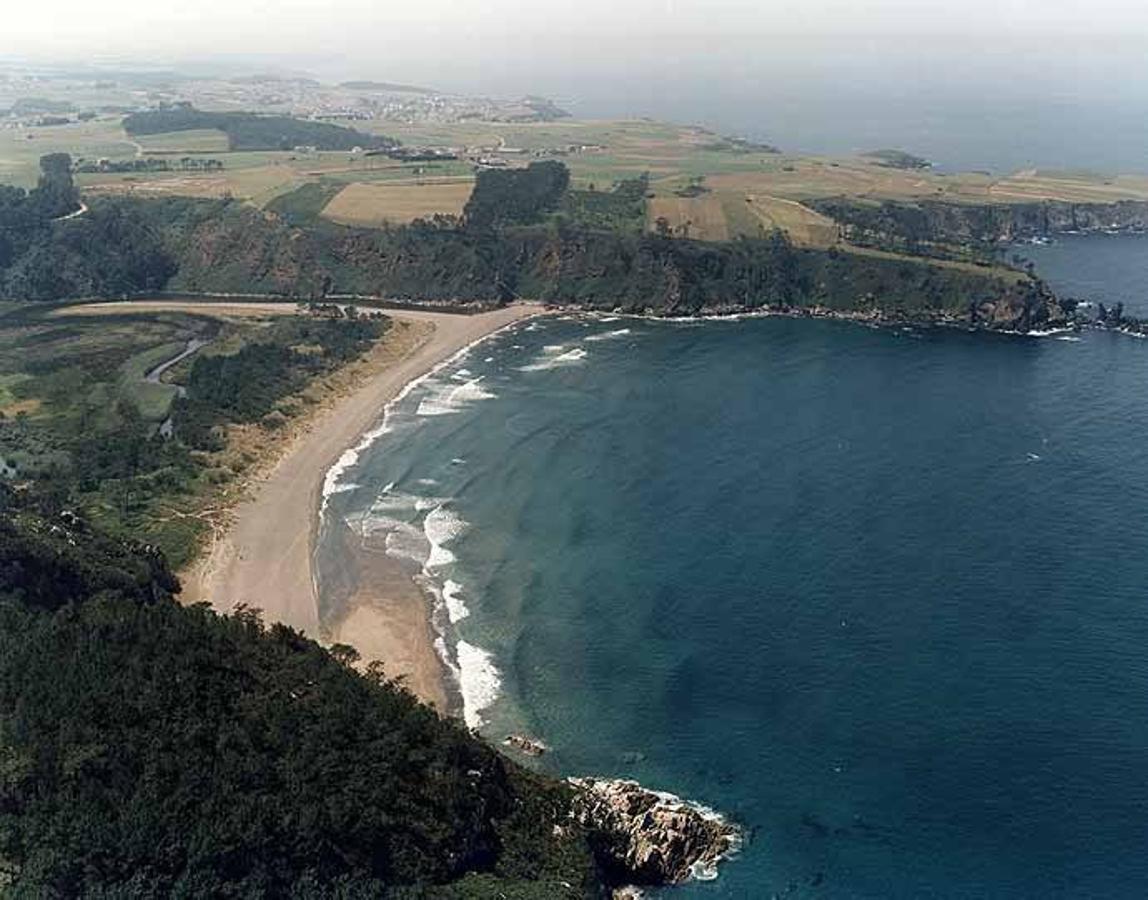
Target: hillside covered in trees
[(524, 234), (50, 249), (155, 750)]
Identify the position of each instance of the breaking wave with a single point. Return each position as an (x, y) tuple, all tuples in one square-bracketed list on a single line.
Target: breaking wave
[(555, 357), (450, 398), (608, 335), (479, 681)]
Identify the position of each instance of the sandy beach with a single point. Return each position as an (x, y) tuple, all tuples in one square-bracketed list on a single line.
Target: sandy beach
[(264, 558)]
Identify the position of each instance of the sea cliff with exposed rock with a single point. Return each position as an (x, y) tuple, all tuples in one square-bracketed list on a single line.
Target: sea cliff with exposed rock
[(645, 838)]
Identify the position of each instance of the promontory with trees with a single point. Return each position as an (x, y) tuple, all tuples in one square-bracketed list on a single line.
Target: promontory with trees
[(525, 233)]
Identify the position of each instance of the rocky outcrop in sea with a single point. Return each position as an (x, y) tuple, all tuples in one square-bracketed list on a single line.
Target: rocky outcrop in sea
[(644, 837)]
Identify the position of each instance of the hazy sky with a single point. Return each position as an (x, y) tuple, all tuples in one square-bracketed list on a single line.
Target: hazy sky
[(407, 31), (1017, 81)]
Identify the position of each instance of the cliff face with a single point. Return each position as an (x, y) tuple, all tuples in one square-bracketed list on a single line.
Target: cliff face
[(935, 222), (644, 837), (1028, 306), (1055, 217), (239, 250)]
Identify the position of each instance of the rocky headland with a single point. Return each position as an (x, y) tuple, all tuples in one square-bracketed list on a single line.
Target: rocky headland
[(649, 838)]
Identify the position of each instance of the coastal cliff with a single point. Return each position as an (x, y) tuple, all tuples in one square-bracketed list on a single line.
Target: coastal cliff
[(222, 247), (229, 248), (926, 225), (643, 837)]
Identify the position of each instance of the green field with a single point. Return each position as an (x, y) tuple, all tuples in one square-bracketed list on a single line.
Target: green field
[(200, 141), (21, 148)]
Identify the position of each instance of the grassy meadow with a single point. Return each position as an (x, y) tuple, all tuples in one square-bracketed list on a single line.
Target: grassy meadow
[(398, 202)]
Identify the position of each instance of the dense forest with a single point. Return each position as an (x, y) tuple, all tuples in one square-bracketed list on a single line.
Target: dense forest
[(504, 197), (250, 131), (45, 254), (247, 385), (150, 749)]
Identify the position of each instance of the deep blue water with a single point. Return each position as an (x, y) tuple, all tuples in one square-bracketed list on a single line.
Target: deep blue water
[(1109, 268), (878, 594)]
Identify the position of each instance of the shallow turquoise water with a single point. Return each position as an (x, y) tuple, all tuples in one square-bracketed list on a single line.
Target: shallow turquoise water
[(877, 594)]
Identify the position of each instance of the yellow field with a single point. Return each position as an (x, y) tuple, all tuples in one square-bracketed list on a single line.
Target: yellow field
[(805, 178), (719, 216), (701, 218), (805, 227), (398, 203), (1032, 185), (256, 184)]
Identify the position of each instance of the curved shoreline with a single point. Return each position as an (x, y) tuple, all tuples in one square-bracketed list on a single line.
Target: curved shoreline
[(264, 559)]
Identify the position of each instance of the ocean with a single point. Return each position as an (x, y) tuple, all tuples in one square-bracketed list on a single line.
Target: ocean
[(876, 594)]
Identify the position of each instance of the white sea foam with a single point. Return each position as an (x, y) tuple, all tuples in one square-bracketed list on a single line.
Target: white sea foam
[(554, 358), (351, 455), (406, 541), (441, 526), (608, 335), (449, 398), (1069, 337), (1048, 332), (393, 506), (456, 607), (479, 682), (345, 461)]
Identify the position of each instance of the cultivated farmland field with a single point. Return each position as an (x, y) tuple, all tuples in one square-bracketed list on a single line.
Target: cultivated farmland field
[(256, 185), (805, 227), (701, 218), (721, 215), (398, 203)]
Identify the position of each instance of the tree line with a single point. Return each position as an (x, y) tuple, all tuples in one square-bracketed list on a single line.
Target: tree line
[(251, 131)]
